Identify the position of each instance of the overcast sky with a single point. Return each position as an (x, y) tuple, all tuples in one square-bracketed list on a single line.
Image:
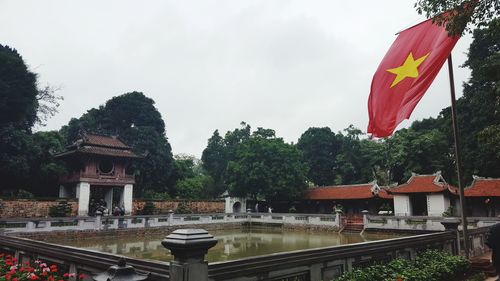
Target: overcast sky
[(284, 65)]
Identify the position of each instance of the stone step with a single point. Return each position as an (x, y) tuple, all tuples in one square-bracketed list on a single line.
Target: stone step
[(483, 265), (353, 228)]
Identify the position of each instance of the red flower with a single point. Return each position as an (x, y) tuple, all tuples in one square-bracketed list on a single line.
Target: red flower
[(7, 276), (34, 277), (53, 266), (31, 270), (399, 279), (66, 275), (15, 279), (51, 278), (81, 276)]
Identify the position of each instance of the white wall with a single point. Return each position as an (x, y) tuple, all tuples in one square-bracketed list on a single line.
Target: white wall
[(230, 201), (83, 195), (402, 205), (127, 197), (437, 204)]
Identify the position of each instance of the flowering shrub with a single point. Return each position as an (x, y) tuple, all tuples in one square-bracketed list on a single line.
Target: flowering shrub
[(12, 270), (431, 265)]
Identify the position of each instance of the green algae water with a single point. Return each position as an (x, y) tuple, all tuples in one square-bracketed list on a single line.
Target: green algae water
[(233, 243)]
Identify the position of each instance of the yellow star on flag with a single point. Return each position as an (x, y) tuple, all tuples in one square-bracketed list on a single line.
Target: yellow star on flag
[(408, 69)]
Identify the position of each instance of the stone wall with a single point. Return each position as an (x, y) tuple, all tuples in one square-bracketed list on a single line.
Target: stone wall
[(196, 207), (29, 208)]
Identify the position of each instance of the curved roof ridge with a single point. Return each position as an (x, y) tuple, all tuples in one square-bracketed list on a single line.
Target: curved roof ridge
[(428, 183), (345, 185)]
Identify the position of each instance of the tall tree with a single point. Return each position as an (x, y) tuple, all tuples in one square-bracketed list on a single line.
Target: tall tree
[(267, 168), (214, 159), (320, 147), (352, 166), (479, 108), (18, 88), (18, 107), (221, 150)]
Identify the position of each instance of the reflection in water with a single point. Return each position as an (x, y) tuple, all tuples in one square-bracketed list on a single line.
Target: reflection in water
[(233, 243)]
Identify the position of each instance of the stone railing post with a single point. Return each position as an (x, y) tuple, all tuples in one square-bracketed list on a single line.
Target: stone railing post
[(365, 218), (170, 217), (338, 218), (97, 222), (452, 225), (189, 246)]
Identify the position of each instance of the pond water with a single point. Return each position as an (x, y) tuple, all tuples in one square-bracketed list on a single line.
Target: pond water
[(233, 243)]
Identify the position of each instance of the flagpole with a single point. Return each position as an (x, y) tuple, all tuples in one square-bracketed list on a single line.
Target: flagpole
[(457, 158)]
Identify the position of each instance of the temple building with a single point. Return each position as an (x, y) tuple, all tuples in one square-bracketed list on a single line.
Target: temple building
[(353, 199), (483, 197), (425, 195), (99, 170)]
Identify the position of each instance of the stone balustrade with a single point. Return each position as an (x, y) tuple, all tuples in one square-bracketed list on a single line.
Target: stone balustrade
[(419, 223), (23, 225)]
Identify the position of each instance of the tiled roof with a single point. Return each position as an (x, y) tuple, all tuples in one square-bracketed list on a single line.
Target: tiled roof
[(483, 187), (107, 151), (356, 191), (100, 140), (424, 184), (99, 145), (384, 194)]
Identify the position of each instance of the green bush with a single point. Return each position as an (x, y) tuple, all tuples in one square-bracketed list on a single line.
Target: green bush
[(183, 208), (156, 195), (477, 277), (62, 209), (431, 265), (24, 194), (148, 209)]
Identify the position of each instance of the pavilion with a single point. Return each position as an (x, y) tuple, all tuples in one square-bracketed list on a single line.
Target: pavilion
[(483, 197), (99, 167), (424, 195)]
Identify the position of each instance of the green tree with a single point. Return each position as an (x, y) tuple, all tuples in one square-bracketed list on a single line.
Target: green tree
[(267, 168), (475, 13), (197, 187), (320, 147), (44, 169), (479, 108), (16, 154), (221, 150), (18, 88), (422, 152), (352, 165)]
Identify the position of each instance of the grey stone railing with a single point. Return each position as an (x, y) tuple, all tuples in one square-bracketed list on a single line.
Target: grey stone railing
[(189, 247), (76, 260), (477, 239), (327, 263), (129, 222), (420, 223)]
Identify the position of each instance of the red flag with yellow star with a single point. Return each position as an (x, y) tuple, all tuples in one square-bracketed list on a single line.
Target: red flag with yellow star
[(405, 73)]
